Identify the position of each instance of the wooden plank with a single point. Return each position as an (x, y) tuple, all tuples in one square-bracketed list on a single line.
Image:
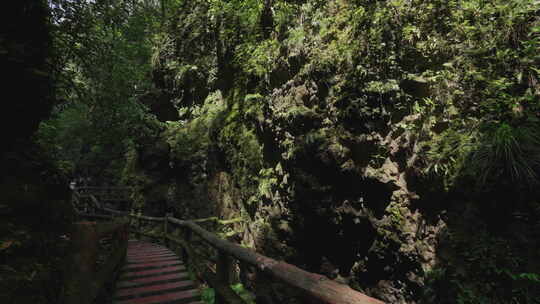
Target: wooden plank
[(152, 288), (95, 216), (153, 264), (149, 251), (168, 270), (151, 258), (148, 218), (138, 245), (124, 213), (146, 257), (137, 251), (157, 278)]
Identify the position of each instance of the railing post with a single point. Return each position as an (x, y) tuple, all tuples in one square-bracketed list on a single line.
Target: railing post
[(223, 273), (130, 216), (91, 205), (139, 224), (80, 271), (185, 255), (165, 229)]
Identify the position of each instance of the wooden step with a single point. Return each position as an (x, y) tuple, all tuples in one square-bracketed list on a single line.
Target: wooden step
[(180, 268), (140, 291), (186, 296), (152, 259), (159, 264), (132, 284), (149, 252), (154, 275)]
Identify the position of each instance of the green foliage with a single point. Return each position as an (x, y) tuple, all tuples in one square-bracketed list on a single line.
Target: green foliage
[(190, 141), (446, 155), (284, 15), (481, 112), (208, 294), (103, 64), (64, 135), (258, 59), (236, 138), (243, 293), (486, 269), (506, 152), (162, 49)]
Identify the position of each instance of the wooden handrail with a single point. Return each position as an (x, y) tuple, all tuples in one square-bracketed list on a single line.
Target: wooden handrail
[(317, 287), (116, 212), (95, 216), (218, 220), (149, 218), (103, 188), (105, 193)]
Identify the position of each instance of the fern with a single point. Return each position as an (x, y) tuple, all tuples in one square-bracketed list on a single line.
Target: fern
[(506, 151)]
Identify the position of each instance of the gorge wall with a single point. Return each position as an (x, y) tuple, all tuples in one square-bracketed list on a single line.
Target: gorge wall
[(349, 136)]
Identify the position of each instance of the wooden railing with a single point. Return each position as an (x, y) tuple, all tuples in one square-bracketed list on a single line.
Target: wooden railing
[(219, 270), (106, 193)]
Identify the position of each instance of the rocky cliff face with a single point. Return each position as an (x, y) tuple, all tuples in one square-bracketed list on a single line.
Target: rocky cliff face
[(330, 143), (315, 188)]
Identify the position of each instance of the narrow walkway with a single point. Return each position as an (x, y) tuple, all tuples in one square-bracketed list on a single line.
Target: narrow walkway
[(153, 274)]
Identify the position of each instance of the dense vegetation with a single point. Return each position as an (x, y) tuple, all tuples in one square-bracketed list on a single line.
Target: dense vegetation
[(391, 145)]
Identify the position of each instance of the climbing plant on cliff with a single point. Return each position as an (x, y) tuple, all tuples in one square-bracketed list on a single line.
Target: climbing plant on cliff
[(490, 87)]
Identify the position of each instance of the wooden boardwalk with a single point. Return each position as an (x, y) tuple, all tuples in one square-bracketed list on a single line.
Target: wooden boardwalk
[(154, 274)]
